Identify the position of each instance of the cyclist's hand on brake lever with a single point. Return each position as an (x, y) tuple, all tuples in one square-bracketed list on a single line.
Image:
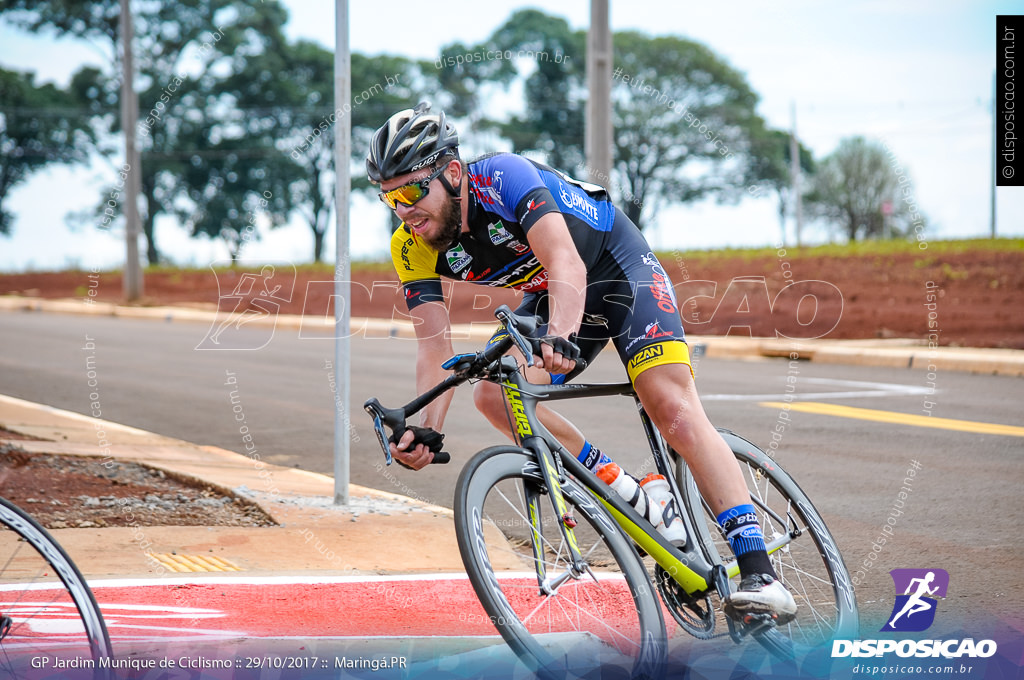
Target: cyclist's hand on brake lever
[(416, 447), (557, 354)]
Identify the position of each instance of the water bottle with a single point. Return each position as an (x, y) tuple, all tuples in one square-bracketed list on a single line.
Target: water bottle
[(612, 475), (660, 494)]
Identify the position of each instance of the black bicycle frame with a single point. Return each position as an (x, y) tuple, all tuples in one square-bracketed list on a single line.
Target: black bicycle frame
[(697, 568), (696, 571)]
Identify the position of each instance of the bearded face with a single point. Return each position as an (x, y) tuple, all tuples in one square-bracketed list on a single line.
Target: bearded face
[(450, 226)]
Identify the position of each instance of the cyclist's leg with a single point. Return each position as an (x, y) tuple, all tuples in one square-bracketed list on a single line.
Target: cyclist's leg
[(670, 398), (650, 341)]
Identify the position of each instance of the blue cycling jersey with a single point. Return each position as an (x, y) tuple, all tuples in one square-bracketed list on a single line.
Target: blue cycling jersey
[(508, 194)]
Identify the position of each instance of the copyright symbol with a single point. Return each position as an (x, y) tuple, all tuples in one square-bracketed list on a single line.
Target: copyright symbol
[(1008, 171)]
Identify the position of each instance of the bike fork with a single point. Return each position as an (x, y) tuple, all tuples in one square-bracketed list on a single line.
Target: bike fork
[(554, 475)]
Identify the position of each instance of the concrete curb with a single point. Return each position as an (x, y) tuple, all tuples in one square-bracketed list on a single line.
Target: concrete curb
[(312, 534), (891, 353)]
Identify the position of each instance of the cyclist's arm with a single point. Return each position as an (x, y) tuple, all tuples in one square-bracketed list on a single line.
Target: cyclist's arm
[(567, 281), (433, 347), (415, 264)]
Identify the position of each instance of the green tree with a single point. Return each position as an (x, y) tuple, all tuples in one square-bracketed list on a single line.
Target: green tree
[(555, 89), (39, 125), (183, 50), (851, 188), (769, 166), (87, 19), (683, 118), (553, 82), (288, 92)]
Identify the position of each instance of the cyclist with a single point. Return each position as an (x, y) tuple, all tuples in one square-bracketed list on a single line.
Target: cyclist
[(583, 266)]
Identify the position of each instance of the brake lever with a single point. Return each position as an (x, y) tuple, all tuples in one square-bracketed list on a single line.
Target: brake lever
[(393, 418), (507, 318)]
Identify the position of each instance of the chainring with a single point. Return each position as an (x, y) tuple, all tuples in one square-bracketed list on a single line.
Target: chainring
[(696, 615)]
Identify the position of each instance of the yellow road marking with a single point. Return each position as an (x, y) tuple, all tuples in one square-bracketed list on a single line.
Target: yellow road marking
[(898, 418), (192, 563)]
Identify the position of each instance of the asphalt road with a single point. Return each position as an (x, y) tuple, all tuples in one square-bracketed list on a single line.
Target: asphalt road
[(961, 512)]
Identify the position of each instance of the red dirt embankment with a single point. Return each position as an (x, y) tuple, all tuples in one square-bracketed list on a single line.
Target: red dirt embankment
[(968, 293)]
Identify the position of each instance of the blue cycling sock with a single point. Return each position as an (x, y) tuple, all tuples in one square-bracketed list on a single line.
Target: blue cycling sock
[(743, 532), (592, 457)]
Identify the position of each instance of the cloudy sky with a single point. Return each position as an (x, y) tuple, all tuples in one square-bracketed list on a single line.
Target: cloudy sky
[(915, 75)]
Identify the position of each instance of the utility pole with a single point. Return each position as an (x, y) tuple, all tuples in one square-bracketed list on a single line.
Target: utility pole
[(133, 183), (794, 160), (342, 266), (598, 132)]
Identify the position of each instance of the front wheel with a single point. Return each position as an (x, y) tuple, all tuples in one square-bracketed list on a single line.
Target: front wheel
[(809, 564), (508, 536), (46, 607)]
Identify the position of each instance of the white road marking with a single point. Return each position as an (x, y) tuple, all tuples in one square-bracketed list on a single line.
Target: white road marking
[(869, 389)]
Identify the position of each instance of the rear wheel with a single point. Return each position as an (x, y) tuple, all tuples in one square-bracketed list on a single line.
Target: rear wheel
[(809, 565), (46, 609), (505, 526)]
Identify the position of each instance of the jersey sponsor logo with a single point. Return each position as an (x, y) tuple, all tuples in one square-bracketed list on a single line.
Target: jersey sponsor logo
[(664, 352), (518, 247), (654, 331), (406, 262), (498, 233), (523, 274), (646, 356), (483, 187), (409, 294), (468, 275), (663, 293), (651, 260), (538, 282), (533, 205), (577, 203), (458, 259)]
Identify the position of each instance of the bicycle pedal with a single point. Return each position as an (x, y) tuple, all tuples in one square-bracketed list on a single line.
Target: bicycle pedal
[(759, 622)]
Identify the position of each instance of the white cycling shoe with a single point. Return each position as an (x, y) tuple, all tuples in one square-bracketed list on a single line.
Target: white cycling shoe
[(761, 594)]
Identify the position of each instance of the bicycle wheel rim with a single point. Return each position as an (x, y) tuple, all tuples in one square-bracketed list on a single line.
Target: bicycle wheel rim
[(54, 615), (614, 621), (810, 566)]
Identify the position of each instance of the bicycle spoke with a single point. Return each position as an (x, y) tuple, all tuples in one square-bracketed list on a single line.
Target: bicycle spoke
[(808, 573), (604, 604)]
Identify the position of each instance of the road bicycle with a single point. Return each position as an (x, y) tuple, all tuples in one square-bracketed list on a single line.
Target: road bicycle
[(49, 618), (567, 570)]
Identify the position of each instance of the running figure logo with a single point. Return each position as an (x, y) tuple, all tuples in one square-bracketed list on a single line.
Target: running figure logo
[(915, 609), (255, 298)]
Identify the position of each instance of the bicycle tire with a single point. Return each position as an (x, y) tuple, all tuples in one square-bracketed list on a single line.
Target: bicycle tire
[(40, 608), (617, 611), (810, 566)]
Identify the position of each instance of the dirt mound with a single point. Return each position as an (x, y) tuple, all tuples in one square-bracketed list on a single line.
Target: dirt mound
[(63, 492)]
